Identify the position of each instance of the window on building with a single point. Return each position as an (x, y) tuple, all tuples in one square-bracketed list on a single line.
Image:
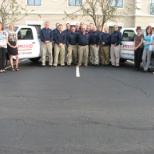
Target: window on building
[(74, 2), (117, 3), (34, 2), (25, 34), (152, 7)]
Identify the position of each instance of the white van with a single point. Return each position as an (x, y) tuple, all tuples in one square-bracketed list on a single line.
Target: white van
[(128, 34), (28, 43)]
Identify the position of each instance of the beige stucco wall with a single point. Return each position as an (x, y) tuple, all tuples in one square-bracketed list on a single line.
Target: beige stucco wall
[(53, 11)]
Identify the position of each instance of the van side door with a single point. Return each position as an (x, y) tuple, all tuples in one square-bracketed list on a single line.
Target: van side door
[(127, 51), (27, 44)]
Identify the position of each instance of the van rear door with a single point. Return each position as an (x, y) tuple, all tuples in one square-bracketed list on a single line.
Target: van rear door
[(127, 51)]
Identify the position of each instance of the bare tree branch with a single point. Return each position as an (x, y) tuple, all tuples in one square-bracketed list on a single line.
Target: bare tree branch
[(12, 11), (100, 11)]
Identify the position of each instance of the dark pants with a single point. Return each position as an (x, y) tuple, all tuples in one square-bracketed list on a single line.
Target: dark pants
[(138, 57), (2, 58)]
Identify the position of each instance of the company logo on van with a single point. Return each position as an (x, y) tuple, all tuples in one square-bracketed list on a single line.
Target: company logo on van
[(128, 47), (25, 47)]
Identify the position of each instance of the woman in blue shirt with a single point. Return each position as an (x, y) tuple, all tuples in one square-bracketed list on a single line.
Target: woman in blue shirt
[(147, 49)]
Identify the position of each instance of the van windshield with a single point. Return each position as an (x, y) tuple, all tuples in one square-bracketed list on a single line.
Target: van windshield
[(128, 35)]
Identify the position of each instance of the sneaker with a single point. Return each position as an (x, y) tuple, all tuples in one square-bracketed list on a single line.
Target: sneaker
[(85, 65), (55, 65), (62, 65)]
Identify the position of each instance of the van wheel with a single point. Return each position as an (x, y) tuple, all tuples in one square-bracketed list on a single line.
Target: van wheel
[(123, 60), (34, 60)]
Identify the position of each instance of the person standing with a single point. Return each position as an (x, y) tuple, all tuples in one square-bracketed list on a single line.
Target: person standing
[(99, 29), (67, 31), (105, 48), (60, 42), (81, 25), (3, 46), (115, 46), (12, 47), (46, 36), (77, 27), (88, 30), (147, 49), (138, 48), (91, 26), (83, 46), (72, 47), (94, 46), (56, 29)]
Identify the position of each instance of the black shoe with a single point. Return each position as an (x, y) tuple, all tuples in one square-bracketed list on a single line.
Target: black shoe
[(107, 65), (137, 69)]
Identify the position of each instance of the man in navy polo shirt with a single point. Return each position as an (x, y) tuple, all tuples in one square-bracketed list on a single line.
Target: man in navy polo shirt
[(105, 48), (72, 47), (115, 46), (67, 31), (56, 29), (94, 46), (46, 36), (83, 46), (59, 47)]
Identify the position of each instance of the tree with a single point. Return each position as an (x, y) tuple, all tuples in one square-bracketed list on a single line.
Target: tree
[(12, 11), (100, 11)]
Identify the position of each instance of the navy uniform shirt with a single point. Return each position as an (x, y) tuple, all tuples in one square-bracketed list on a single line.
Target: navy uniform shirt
[(89, 32), (106, 38), (83, 40), (67, 32), (116, 38), (60, 37), (55, 30), (72, 39), (78, 31), (100, 33), (46, 35), (94, 38)]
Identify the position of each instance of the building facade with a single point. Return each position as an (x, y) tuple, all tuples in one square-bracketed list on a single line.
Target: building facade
[(140, 13)]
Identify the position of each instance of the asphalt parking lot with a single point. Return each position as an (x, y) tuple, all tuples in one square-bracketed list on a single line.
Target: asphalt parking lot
[(51, 111)]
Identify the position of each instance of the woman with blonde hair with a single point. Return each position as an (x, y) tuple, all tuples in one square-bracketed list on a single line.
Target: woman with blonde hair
[(3, 46), (12, 46)]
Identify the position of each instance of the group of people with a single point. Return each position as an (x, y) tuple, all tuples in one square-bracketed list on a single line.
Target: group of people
[(8, 42), (143, 48), (82, 44), (79, 45)]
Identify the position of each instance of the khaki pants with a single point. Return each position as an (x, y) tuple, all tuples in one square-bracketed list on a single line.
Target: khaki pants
[(59, 51), (83, 52), (105, 55), (94, 54), (115, 55), (45, 48), (72, 54)]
